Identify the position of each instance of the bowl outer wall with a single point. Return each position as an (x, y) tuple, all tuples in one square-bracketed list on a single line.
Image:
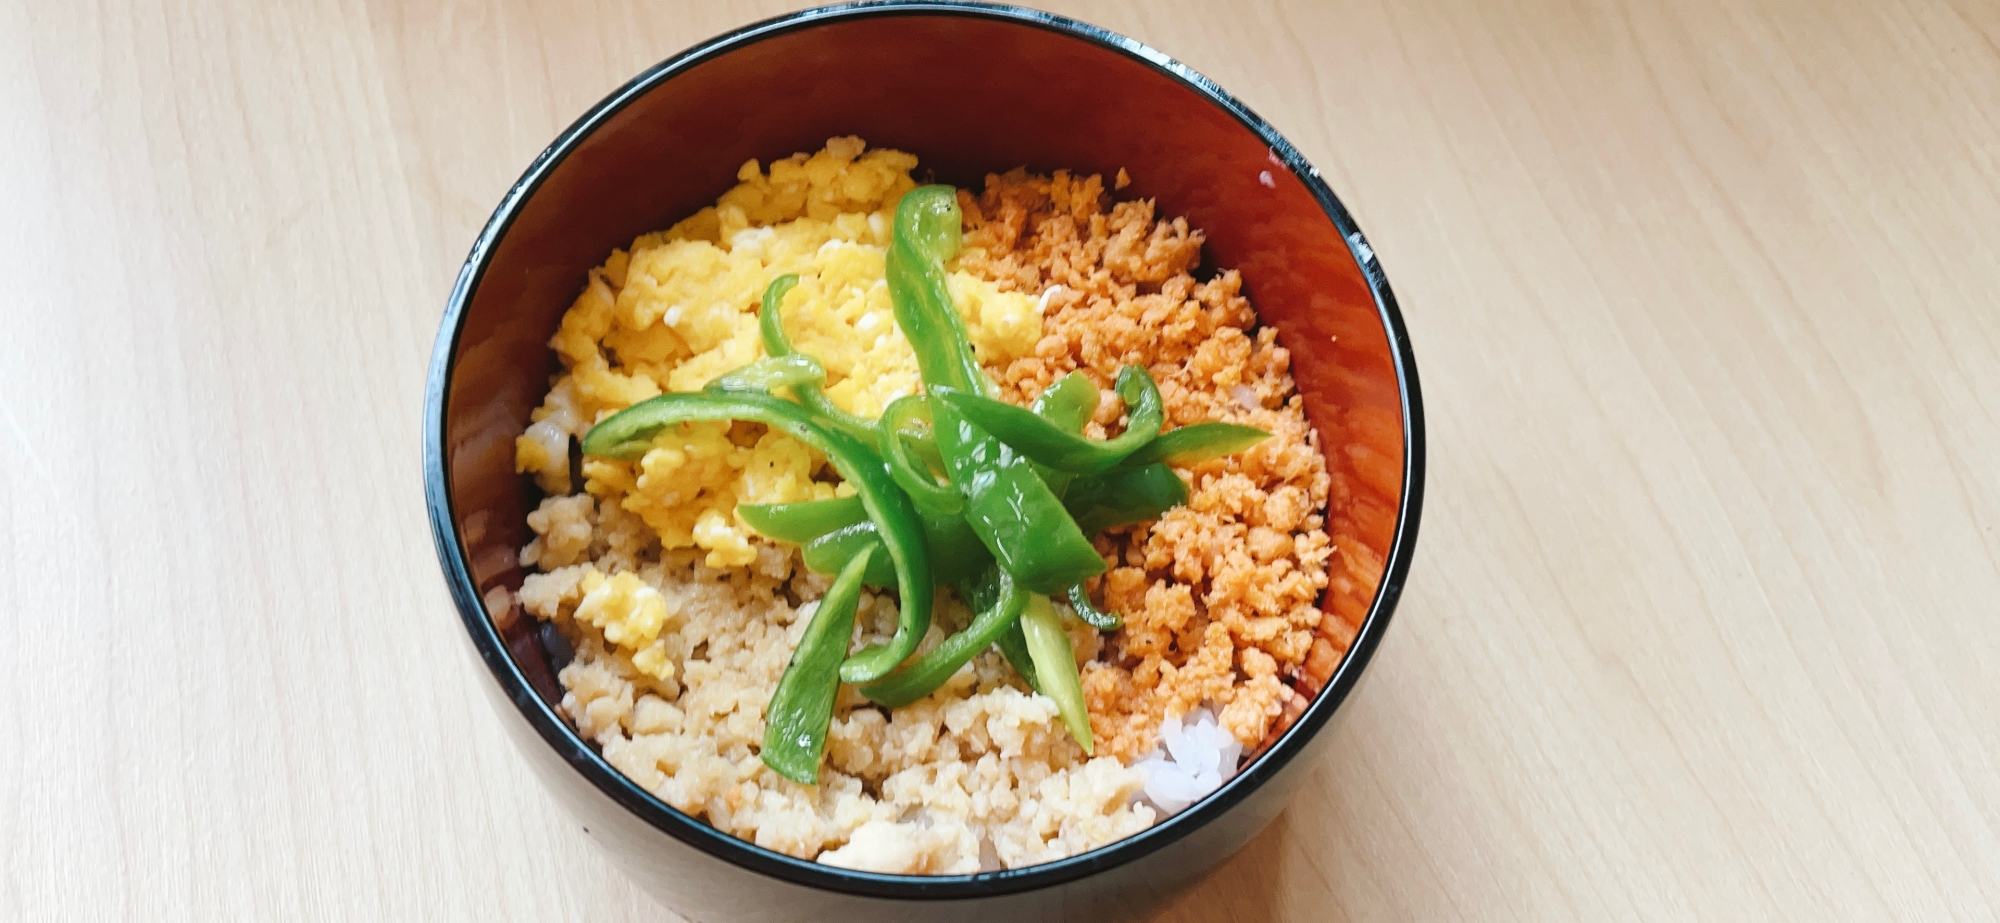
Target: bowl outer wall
[(606, 180)]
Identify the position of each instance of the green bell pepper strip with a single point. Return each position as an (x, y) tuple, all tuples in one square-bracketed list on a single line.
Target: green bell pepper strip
[(1123, 496), (955, 551), (1088, 611), (926, 234), (771, 328), (1055, 664), (832, 552), (1014, 645), (1069, 403), (923, 676), (1194, 444), (796, 721), (979, 594), (1008, 505), (909, 471), (769, 374), (627, 435), (1049, 444), (1012, 509), (803, 521)]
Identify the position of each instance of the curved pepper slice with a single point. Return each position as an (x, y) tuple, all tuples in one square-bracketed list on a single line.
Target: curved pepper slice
[(796, 721), (803, 521), (1069, 403), (1088, 611), (910, 472), (1017, 516), (769, 374), (979, 595), (921, 678), (955, 551), (927, 232), (1195, 444), (1055, 665), (771, 330), (832, 552), (1049, 444), (628, 434), (1123, 496)]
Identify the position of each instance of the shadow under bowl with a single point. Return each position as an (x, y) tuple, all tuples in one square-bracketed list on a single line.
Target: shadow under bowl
[(970, 89)]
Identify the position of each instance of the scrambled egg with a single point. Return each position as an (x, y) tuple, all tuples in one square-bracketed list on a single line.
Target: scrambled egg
[(631, 615), (680, 308)]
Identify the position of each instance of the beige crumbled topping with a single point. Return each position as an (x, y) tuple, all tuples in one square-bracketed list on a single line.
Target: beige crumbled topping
[(982, 768), (1218, 596)]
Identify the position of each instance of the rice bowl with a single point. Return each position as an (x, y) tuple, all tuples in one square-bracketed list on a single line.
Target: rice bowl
[(1351, 365)]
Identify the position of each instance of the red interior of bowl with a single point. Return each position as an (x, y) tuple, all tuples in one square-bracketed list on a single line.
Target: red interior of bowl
[(969, 96)]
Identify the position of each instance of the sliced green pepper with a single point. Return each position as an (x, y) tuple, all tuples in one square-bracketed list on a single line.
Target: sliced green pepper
[(1088, 611), (804, 521), (1014, 645), (1055, 664), (1194, 444), (979, 594), (628, 434), (955, 551), (927, 233), (777, 346), (832, 552), (769, 374), (923, 677), (1049, 444), (909, 471), (795, 723), (1014, 512), (1069, 403), (1123, 496)]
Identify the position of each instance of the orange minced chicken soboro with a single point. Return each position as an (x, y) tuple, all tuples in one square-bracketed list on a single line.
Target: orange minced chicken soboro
[(682, 617), (1218, 595)]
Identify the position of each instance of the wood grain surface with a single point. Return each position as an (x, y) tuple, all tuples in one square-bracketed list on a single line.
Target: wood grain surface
[(1705, 622)]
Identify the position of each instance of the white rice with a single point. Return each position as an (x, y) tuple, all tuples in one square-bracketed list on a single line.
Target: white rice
[(1195, 757)]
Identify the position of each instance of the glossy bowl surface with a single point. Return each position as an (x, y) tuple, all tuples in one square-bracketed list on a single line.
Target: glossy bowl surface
[(970, 89)]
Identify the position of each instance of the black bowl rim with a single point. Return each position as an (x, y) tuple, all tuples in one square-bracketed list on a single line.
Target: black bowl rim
[(607, 779)]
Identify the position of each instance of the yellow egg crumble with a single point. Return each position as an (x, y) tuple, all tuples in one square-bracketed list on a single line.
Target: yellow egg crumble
[(680, 309)]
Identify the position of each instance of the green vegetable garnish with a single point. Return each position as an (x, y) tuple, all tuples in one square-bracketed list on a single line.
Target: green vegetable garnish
[(1055, 664), (804, 521), (910, 471), (1069, 403), (923, 676), (1095, 617), (769, 374), (1044, 441), (952, 487), (628, 434), (771, 329), (1014, 512), (1194, 444), (955, 552), (926, 234), (796, 721), (831, 553), (1123, 496)]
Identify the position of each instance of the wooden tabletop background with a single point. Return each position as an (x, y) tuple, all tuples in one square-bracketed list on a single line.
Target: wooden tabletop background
[(1705, 620)]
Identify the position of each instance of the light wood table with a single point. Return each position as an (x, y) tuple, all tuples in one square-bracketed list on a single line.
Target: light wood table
[(1705, 623)]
